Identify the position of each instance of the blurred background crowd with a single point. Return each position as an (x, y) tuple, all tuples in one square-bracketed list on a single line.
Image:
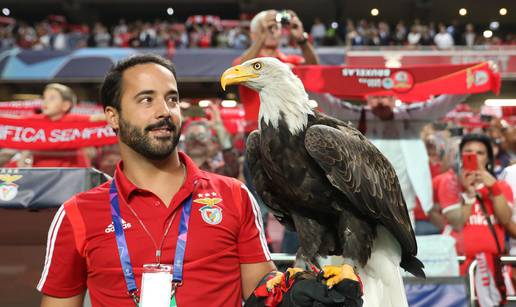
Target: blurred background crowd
[(57, 34)]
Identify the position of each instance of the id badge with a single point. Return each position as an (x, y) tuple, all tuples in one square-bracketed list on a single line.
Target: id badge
[(156, 285)]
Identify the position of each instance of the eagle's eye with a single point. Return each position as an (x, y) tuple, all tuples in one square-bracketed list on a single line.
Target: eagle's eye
[(257, 66)]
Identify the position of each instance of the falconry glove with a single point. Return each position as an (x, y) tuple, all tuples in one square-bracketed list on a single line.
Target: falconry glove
[(304, 289)]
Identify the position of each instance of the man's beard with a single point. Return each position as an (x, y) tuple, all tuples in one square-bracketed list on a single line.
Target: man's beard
[(145, 145)]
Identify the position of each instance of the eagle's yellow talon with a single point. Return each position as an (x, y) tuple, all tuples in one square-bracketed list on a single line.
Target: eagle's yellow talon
[(276, 280), (336, 274), (293, 271)]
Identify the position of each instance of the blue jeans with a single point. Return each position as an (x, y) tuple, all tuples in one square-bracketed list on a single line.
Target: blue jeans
[(424, 228)]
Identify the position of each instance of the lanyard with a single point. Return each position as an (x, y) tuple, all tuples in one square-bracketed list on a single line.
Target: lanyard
[(123, 251)]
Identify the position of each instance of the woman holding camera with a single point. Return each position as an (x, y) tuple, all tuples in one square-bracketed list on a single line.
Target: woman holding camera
[(478, 207)]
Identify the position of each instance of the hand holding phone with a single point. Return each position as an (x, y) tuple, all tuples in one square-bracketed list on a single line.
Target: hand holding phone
[(469, 161)]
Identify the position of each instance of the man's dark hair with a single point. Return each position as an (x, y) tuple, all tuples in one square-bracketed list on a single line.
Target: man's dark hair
[(111, 88), (484, 139)]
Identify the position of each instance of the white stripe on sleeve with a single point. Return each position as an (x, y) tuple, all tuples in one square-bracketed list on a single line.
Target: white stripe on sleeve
[(51, 240), (451, 207), (258, 222)]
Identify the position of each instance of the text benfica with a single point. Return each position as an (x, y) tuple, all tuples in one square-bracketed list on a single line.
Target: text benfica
[(32, 135)]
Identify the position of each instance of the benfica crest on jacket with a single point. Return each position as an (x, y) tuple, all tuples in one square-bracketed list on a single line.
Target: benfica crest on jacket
[(210, 212)]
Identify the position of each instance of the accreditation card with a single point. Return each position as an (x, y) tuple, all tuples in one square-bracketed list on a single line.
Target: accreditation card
[(156, 285)]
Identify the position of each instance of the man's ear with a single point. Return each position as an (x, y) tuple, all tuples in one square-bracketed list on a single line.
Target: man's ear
[(112, 117), (67, 106)]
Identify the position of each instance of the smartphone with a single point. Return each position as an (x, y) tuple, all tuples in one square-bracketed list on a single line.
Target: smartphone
[(469, 161), (456, 131)]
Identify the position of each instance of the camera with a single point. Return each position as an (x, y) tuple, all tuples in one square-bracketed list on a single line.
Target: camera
[(456, 131), (283, 17)]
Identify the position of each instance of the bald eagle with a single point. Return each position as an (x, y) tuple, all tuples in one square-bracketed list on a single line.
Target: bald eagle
[(324, 179)]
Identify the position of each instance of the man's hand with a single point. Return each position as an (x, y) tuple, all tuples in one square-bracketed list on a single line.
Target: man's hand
[(267, 28), (296, 27)]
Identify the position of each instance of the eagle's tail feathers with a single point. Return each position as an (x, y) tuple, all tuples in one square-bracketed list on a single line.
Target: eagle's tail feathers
[(413, 265)]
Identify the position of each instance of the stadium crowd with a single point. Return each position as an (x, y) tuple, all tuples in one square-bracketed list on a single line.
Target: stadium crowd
[(459, 202), (55, 33)]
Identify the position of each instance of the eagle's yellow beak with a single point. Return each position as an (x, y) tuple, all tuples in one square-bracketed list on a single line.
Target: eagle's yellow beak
[(236, 74)]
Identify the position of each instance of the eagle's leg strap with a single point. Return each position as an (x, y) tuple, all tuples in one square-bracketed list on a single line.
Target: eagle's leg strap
[(276, 280)]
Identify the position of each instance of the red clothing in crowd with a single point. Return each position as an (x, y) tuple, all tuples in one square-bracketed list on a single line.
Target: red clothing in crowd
[(250, 98), (476, 236), (435, 168), (82, 250), (58, 158), (419, 214), (435, 171)]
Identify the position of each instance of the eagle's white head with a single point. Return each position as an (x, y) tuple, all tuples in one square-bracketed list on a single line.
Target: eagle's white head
[(281, 92)]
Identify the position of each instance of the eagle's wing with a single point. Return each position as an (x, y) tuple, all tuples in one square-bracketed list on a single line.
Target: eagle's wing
[(261, 181), (357, 168)]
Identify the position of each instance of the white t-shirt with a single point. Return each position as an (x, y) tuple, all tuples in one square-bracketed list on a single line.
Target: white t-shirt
[(443, 40), (318, 30), (413, 38)]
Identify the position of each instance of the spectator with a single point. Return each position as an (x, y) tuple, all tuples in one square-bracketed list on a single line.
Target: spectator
[(443, 40), (469, 36), (58, 100), (455, 31), (426, 37), (59, 40), (147, 35), (121, 27), (205, 36), (221, 38), (372, 37), (203, 146), (133, 38), (241, 39), (78, 36), (318, 31), (362, 27), (400, 34), (431, 29), (384, 33), (121, 34), (101, 38), (43, 33), (265, 35), (414, 36), (479, 207), (7, 39), (26, 36), (353, 38), (434, 156)]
